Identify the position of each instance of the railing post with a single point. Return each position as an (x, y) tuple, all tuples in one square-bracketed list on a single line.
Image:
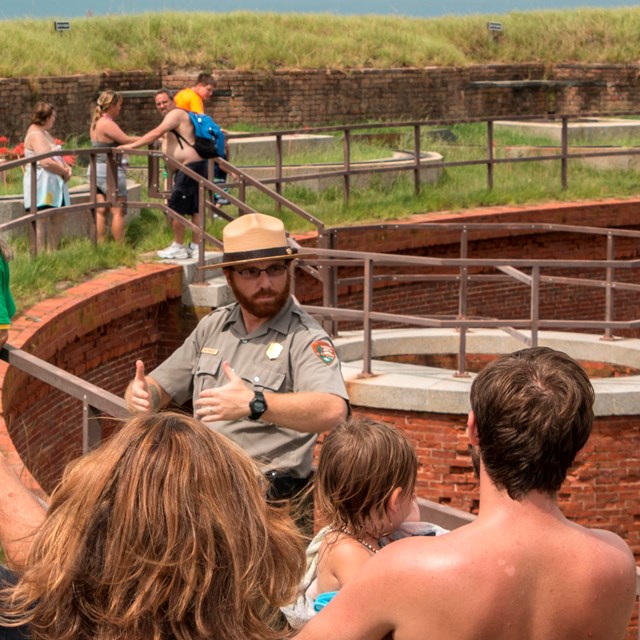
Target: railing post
[(462, 303), (153, 175), (242, 191), (91, 427), (565, 150), (278, 170), (93, 197), (202, 205), (417, 151), (535, 304), (347, 165), (36, 232), (112, 181), (610, 275), (327, 240), (490, 155), (366, 320)]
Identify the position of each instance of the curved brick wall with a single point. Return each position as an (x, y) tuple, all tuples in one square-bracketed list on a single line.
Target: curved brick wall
[(98, 329)]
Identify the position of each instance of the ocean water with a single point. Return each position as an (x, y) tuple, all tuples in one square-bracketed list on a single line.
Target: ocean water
[(10, 9)]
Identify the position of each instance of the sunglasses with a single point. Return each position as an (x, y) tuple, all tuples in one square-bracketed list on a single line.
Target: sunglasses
[(253, 273)]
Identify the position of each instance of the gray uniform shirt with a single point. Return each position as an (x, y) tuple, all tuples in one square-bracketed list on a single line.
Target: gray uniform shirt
[(288, 353)]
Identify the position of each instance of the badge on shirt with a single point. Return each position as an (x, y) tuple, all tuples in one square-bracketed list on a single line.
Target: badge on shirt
[(324, 350), (210, 351), (274, 350)]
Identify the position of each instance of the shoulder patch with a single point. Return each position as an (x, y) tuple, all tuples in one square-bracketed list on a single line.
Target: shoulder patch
[(324, 350)]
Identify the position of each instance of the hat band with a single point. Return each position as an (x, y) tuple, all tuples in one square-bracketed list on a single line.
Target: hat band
[(276, 252)]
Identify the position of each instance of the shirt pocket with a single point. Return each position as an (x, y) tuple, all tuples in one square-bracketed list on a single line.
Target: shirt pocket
[(269, 378), (207, 371)]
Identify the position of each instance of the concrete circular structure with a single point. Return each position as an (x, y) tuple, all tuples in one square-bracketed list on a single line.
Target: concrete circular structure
[(410, 387), (583, 130), (399, 164)]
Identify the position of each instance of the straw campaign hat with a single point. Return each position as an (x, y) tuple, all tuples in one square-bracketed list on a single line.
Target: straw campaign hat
[(254, 237)]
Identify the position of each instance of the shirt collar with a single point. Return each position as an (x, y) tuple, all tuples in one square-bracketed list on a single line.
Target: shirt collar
[(280, 322)]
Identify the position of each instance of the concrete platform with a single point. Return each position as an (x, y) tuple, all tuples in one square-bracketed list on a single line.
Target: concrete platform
[(585, 130), (76, 224), (243, 150), (414, 388), (400, 160)]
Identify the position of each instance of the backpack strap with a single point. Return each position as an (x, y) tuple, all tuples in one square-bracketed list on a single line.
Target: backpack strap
[(181, 138)]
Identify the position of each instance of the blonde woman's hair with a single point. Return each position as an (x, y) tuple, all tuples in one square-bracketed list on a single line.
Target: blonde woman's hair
[(105, 100), (361, 463), (161, 533)]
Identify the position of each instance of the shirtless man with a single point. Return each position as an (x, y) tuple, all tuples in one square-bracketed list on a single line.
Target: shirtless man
[(521, 570), (164, 102), (184, 197)]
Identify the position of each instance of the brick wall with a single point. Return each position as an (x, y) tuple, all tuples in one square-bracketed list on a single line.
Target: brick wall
[(284, 99)]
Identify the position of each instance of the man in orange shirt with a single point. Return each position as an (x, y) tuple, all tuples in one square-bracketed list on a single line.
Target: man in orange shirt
[(193, 99)]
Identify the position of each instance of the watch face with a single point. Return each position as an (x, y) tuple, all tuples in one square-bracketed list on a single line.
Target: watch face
[(258, 405)]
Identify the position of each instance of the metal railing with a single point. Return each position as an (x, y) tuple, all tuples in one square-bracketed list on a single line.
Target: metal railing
[(381, 270), (416, 129), (242, 180), (95, 400)]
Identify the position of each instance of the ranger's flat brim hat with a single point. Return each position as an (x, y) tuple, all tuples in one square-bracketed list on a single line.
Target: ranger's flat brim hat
[(254, 237)]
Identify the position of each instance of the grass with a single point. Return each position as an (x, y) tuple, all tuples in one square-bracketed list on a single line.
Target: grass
[(266, 41), (34, 279)]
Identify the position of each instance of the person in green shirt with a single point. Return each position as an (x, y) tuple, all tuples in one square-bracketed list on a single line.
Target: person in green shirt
[(7, 305)]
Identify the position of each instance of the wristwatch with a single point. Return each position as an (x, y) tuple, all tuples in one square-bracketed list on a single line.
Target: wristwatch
[(257, 406)]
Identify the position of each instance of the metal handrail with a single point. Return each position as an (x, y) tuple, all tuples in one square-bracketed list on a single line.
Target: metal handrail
[(243, 179), (381, 269), (94, 399)]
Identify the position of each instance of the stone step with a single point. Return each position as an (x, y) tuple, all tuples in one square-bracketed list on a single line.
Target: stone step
[(213, 292)]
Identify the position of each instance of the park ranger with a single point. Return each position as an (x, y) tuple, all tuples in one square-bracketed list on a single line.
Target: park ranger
[(261, 371)]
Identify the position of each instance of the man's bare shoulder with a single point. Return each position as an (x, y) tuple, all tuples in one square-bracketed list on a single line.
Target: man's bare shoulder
[(437, 557), (175, 117), (609, 556)]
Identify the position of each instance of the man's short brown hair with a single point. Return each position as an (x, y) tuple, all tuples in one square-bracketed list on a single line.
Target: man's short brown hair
[(534, 412)]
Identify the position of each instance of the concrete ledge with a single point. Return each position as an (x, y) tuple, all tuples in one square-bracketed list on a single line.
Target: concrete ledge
[(400, 160), (75, 225), (411, 387), (594, 130)]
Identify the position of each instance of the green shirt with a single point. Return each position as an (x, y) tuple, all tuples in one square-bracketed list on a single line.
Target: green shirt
[(7, 305)]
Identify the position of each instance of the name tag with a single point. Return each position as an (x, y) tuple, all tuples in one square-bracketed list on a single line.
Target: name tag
[(210, 351)]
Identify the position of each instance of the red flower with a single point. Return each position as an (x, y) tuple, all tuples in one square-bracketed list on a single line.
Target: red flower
[(70, 160), (58, 141), (18, 150), (3, 151), (3, 139)]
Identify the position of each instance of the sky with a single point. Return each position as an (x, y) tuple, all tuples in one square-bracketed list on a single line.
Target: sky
[(66, 9)]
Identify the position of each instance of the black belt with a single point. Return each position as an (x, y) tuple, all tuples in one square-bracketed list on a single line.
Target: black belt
[(284, 486)]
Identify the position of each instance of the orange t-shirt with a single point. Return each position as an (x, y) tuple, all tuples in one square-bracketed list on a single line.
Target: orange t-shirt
[(188, 99)]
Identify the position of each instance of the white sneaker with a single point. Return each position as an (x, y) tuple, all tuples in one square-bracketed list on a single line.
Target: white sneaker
[(174, 251), (194, 251)]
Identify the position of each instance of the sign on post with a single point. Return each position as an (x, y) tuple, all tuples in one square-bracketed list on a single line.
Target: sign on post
[(61, 25), (495, 29)]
